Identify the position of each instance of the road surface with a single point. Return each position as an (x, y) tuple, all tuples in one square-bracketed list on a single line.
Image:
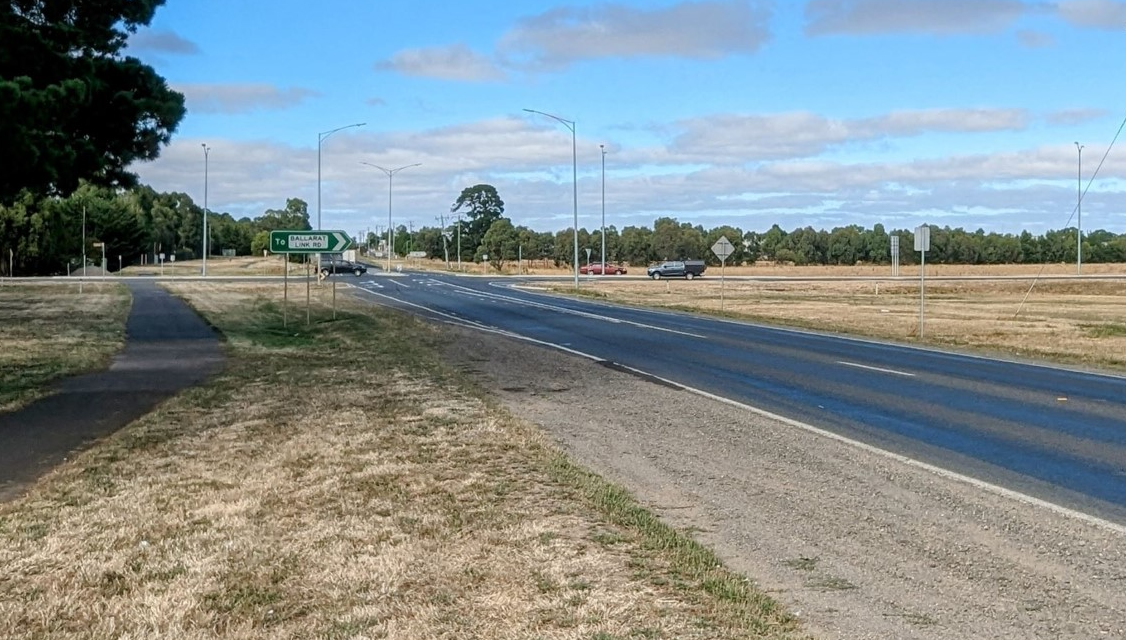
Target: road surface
[(1051, 434)]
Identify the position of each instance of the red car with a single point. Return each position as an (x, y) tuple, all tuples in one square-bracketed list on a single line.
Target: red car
[(595, 269)]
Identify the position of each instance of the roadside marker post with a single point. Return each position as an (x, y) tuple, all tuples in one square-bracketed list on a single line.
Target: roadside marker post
[(287, 241), (722, 249)]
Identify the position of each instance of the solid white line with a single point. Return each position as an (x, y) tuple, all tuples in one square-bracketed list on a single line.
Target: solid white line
[(945, 473), (911, 462), (880, 369)]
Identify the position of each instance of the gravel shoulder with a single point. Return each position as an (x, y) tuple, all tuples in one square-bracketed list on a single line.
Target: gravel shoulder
[(857, 544)]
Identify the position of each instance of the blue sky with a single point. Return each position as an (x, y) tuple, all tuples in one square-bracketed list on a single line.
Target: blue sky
[(822, 112)]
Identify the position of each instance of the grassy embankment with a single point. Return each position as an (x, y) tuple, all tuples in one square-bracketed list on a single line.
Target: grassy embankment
[(341, 481)]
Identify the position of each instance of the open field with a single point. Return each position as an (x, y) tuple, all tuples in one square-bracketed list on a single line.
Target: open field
[(542, 268), (340, 481), (1076, 322), (48, 331)]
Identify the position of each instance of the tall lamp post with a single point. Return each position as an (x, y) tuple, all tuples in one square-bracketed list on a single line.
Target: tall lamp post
[(1079, 208), (320, 139), (570, 124), (603, 148), (206, 151), (390, 182)]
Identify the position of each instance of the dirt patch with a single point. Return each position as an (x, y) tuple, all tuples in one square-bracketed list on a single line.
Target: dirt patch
[(859, 545)]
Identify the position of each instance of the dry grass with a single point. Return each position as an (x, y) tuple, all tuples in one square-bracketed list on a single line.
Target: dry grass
[(272, 265), (48, 331), (337, 481), (1079, 322)]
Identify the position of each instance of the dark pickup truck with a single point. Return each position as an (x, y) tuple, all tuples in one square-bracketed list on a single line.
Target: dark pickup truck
[(687, 269)]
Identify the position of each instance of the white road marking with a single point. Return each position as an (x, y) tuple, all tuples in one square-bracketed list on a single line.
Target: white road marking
[(880, 369), (583, 314)]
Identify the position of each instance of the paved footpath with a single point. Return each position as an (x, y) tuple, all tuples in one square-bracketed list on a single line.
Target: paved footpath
[(168, 348)]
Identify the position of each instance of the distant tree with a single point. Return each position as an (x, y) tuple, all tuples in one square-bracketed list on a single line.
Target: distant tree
[(501, 243), (846, 245), (72, 106), (483, 206), (260, 243), (294, 217), (637, 246), (877, 245), (752, 246), (771, 242)]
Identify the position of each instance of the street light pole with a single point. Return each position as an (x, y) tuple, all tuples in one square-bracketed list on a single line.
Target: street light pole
[(320, 139), (603, 148), (206, 151), (1079, 208), (570, 124), (390, 182)]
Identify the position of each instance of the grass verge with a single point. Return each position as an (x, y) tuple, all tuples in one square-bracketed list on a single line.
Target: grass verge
[(50, 331), (340, 481)]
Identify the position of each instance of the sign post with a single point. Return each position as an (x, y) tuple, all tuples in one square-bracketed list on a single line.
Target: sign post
[(895, 255), (922, 245), (286, 241), (722, 249)]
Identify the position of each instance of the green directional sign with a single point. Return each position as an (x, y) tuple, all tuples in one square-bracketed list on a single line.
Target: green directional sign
[(309, 241)]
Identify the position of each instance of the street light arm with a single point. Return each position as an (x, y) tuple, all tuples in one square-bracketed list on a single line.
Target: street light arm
[(391, 172), (570, 124), (321, 136)]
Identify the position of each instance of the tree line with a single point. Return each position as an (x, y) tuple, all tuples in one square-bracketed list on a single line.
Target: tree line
[(45, 236)]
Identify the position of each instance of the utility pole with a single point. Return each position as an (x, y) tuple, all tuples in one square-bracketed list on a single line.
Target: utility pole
[(603, 272), (206, 151), (1079, 209), (445, 238)]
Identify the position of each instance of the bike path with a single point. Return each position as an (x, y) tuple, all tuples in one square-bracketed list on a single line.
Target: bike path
[(168, 348)]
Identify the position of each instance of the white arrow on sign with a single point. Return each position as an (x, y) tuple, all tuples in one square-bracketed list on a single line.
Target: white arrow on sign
[(723, 248), (339, 242)]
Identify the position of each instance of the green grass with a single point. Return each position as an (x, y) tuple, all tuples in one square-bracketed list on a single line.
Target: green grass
[(1105, 330)]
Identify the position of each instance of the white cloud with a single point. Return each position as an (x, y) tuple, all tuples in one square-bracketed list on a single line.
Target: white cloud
[(240, 98), (1069, 117), (854, 17), (737, 139), (1100, 14), (709, 29), (455, 62), (161, 41), (530, 164)]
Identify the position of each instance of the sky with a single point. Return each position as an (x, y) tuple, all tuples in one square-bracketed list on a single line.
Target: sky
[(822, 113)]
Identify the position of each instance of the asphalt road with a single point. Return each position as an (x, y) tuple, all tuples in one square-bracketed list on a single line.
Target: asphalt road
[(1050, 433)]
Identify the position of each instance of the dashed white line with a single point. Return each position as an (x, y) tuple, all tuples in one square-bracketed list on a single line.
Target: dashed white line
[(880, 369)]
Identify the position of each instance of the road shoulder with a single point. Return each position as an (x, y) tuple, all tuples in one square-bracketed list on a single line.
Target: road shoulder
[(862, 546)]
